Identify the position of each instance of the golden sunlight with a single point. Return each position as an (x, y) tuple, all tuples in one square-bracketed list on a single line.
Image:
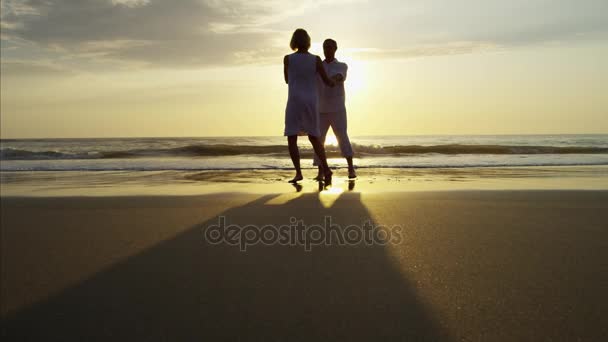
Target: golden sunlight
[(328, 197), (356, 81), (331, 140)]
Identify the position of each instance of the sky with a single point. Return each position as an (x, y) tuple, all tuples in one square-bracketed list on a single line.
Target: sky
[(143, 68)]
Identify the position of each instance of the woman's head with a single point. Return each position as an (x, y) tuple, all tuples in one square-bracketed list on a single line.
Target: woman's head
[(300, 40)]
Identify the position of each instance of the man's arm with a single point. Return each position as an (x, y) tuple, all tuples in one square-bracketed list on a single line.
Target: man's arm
[(338, 78), (344, 70), (321, 70), (341, 76)]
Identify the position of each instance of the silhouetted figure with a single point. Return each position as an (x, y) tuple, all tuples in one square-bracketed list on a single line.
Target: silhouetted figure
[(302, 112), (332, 107)]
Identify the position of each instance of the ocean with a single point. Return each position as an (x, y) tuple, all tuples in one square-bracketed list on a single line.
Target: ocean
[(268, 153)]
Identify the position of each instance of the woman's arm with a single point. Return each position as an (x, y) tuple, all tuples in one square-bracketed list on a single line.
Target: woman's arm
[(285, 65), (321, 71)]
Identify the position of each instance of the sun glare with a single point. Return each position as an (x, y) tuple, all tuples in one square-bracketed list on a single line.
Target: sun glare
[(331, 140), (356, 78)]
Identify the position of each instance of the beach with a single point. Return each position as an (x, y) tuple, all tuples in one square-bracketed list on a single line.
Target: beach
[(304, 171), (440, 238), (470, 262)]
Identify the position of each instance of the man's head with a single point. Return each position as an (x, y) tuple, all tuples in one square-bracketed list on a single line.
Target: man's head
[(329, 49)]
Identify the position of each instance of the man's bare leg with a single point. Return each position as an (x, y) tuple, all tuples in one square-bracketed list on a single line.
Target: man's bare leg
[(351, 170), (320, 174), (325, 123)]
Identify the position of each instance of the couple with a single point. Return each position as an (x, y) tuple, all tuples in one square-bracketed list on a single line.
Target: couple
[(313, 106)]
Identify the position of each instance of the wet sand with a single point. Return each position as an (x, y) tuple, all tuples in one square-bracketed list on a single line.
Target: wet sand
[(470, 265)]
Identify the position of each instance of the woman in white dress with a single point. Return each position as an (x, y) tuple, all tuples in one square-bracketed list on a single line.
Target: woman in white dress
[(302, 112)]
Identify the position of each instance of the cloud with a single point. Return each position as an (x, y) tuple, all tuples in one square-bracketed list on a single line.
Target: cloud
[(197, 33), (131, 3), (13, 68), (158, 33), (514, 22), (451, 48)]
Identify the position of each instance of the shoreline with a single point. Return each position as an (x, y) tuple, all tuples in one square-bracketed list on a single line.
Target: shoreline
[(126, 183)]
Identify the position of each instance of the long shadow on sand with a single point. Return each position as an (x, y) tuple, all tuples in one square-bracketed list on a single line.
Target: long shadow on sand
[(186, 289)]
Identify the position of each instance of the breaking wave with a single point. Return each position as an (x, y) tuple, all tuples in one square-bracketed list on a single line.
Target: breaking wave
[(218, 150)]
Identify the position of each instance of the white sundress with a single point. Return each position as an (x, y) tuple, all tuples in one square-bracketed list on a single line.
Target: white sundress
[(302, 111)]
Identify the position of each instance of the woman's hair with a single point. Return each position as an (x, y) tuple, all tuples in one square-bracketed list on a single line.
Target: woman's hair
[(300, 40)]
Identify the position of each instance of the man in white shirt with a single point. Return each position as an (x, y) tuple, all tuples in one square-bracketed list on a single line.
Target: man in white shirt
[(332, 107)]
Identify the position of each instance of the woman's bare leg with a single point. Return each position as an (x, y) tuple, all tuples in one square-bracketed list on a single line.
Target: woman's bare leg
[(294, 153), (320, 151), (351, 168)]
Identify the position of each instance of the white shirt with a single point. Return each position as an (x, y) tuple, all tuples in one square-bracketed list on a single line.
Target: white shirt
[(332, 100)]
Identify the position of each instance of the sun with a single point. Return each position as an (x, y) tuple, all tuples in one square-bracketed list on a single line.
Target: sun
[(356, 81)]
